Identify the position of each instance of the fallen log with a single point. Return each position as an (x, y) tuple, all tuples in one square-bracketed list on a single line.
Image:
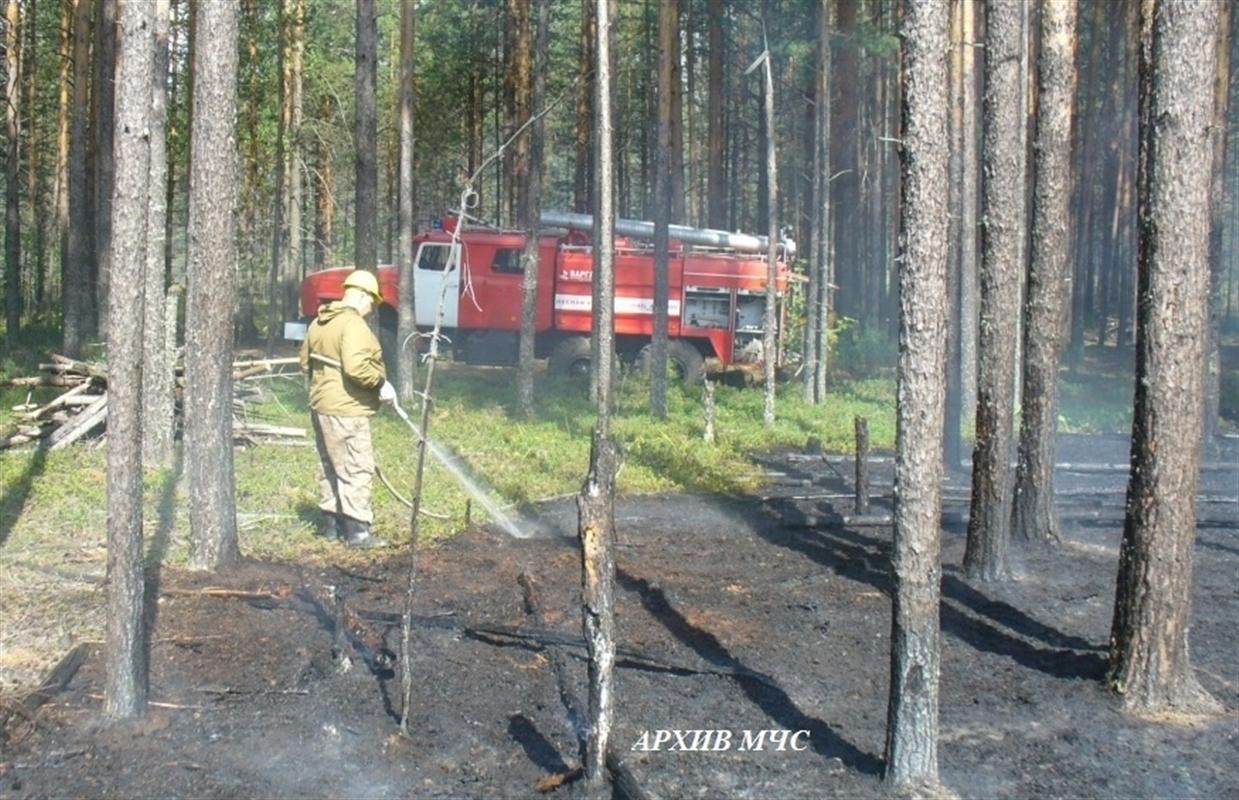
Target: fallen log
[(55, 682), (571, 703), (45, 380), (265, 363), (75, 396), (65, 364)]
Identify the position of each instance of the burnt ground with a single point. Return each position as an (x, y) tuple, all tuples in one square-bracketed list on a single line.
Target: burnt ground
[(748, 613)]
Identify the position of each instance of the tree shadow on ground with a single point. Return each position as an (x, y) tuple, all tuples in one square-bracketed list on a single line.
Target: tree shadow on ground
[(764, 692), (157, 551), (536, 746), (13, 500), (866, 560)]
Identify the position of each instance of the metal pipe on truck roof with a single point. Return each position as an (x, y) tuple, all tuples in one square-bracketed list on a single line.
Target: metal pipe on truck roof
[(641, 229)]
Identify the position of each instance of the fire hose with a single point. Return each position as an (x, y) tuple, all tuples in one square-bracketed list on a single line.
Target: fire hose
[(470, 482)]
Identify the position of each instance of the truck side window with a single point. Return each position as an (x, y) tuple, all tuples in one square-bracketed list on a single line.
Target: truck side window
[(433, 257), (507, 261)]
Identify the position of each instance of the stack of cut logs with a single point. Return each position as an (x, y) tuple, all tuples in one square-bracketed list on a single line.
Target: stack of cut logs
[(75, 413), (82, 408)]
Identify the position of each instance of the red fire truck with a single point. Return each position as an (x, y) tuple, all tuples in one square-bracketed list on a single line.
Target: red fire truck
[(717, 293)]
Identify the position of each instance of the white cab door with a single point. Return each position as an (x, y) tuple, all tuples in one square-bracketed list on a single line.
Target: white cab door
[(438, 276)]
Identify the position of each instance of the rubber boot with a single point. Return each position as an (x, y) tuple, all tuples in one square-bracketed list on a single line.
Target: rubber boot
[(330, 526), (357, 535)]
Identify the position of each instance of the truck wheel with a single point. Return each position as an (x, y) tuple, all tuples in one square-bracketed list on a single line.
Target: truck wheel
[(682, 357), (571, 357)]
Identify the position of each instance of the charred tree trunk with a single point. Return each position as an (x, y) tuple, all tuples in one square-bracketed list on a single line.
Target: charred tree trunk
[(76, 277), (989, 523), (157, 359), (365, 220), (716, 180), (596, 504), (1149, 664), (212, 286), (103, 101), (912, 715), (668, 32), (1045, 309), (406, 326), (126, 682), (540, 64), (12, 184)]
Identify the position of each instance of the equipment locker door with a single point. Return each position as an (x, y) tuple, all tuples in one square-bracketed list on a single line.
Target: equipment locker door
[(434, 269)]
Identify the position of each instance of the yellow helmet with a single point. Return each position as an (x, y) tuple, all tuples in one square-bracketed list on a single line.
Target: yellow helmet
[(364, 280)]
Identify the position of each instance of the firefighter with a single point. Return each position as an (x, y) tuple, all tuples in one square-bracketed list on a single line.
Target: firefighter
[(348, 383)]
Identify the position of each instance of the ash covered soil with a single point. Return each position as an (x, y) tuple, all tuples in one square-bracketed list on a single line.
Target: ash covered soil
[(735, 613)]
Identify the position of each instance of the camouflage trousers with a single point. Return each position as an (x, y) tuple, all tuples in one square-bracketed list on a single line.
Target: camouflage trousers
[(346, 465)]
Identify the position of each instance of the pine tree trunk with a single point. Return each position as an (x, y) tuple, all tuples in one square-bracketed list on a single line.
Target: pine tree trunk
[(989, 523), (770, 334), (279, 240), (676, 155), (668, 33), (912, 716), (953, 437), (716, 180), (126, 682), (157, 387), (1045, 310), (12, 184), (582, 175), (1149, 663), (75, 280), (209, 469), (824, 296), (539, 64), (103, 100), (817, 318), (324, 196), (292, 268), (520, 78), (60, 183), (365, 220), (406, 324), (1217, 194), (34, 148), (968, 223)]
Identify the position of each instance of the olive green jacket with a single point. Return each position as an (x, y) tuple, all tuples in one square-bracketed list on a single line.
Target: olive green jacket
[(340, 335)]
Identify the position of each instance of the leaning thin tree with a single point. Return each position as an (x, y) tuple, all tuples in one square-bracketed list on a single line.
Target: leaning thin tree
[(912, 720), (1149, 664)]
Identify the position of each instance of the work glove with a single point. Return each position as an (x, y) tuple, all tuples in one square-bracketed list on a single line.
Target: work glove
[(387, 393)]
